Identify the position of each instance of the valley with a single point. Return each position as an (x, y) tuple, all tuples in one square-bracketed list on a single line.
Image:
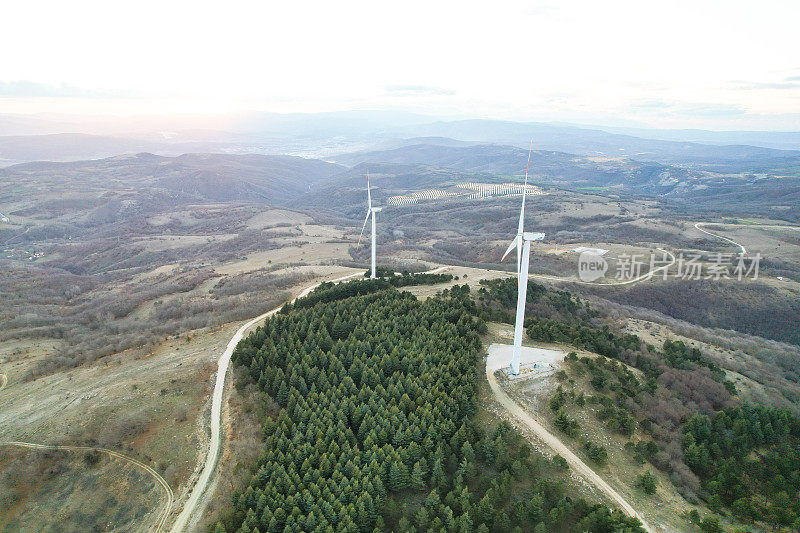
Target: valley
[(360, 267), (123, 290)]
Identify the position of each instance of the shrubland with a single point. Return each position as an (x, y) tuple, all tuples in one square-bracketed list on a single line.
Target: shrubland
[(92, 319), (747, 306), (737, 457)]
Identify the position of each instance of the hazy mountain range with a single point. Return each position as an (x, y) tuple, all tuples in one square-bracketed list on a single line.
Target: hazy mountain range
[(329, 135), (242, 157), (306, 183)]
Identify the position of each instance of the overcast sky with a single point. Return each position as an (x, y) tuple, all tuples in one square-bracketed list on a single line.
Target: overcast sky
[(706, 64)]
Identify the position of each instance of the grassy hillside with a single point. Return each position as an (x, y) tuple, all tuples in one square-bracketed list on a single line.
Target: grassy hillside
[(771, 312), (556, 167), (672, 406), (267, 179)]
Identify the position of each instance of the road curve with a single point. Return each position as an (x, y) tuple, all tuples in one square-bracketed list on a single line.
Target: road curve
[(698, 224), (742, 248), (190, 508), (216, 414), (159, 525), (559, 447), (637, 279)]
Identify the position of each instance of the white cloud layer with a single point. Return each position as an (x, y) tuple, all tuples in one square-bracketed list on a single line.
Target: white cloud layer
[(718, 64)]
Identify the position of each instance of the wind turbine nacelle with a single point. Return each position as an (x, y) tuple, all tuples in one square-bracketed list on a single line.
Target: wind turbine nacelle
[(533, 236), (376, 209)]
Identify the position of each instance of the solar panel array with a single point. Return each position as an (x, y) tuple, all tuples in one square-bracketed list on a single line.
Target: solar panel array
[(484, 190), (413, 198)]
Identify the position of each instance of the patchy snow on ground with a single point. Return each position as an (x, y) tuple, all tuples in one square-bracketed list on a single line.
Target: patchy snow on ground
[(594, 251)]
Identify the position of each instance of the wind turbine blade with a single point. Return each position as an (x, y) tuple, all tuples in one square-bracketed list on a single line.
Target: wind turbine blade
[(362, 229), (528, 166), (369, 195), (524, 190), (514, 244)]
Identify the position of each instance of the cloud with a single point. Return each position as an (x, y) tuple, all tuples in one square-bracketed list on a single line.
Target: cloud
[(690, 109), (755, 86), (32, 89), (544, 10), (712, 110), (418, 90), (652, 104)]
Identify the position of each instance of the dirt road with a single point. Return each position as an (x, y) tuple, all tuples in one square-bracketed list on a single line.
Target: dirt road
[(162, 519), (644, 277), (697, 225), (196, 502), (756, 226), (575, 463), (194, 505)]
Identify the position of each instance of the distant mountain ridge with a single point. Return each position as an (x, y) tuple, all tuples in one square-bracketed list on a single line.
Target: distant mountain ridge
[(427, 165), (205, 177), (596, 142), (338, 186), (780, 140), (323, 134), (494, 159), (78, 146)]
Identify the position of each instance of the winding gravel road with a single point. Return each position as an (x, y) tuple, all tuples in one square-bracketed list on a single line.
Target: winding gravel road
[(190, 509), (739, 245), (697, 225), (575, 462), (195, 503), (162, 519)]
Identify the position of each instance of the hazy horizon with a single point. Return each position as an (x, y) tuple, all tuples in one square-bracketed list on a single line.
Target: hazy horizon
[(716, 66)]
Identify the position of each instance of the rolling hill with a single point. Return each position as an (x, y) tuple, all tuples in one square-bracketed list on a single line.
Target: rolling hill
[(596, 142), (551, 166), (202, 177)]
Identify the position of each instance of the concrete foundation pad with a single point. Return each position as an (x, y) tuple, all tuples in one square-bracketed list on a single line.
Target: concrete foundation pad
[(533, 361)]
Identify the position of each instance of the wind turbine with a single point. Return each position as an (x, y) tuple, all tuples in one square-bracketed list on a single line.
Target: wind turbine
[(522, 242), (370, 212), (517, 242)]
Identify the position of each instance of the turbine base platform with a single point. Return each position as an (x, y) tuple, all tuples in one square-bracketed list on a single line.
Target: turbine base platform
[(529, 370), (534, 362)]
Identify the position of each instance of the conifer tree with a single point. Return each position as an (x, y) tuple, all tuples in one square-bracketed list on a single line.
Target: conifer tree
[(377, 394), (418, 477)]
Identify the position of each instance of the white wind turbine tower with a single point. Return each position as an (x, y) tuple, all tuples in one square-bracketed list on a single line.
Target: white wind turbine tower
[(370, 212), (522, 242)]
